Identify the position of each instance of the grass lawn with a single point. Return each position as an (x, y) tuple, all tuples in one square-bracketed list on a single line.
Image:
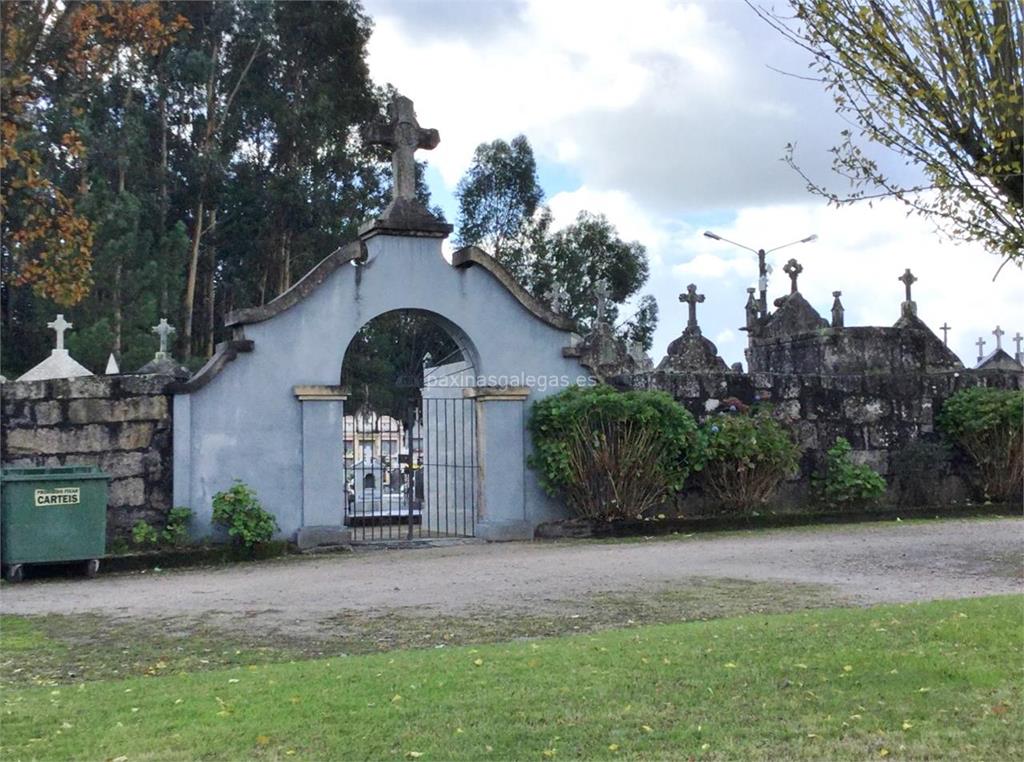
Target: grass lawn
[(923, 681)]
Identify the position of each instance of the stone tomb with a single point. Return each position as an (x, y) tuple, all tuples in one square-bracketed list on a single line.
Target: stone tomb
[(268, 407)]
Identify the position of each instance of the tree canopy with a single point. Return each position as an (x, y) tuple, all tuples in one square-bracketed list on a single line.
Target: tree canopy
[(177, 159), (939, 82), (501, 211), (498, 198)]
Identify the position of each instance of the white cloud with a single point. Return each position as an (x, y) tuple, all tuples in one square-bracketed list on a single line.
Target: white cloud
[(669, 101), (664, 109), (861, 251), (632, 222)]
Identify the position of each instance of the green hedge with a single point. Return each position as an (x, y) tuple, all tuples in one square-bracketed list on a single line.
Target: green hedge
[(613, 454), (746, 457), (986, 424)]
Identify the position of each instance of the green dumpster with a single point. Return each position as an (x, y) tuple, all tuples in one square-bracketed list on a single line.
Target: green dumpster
[(52, 515)]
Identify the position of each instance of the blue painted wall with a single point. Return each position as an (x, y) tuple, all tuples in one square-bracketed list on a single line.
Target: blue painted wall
[(247, 423)]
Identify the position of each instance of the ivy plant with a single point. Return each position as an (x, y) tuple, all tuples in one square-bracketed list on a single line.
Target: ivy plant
[(847, 484)]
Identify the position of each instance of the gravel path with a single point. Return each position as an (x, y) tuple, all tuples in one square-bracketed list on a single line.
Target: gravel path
[(861, 563)]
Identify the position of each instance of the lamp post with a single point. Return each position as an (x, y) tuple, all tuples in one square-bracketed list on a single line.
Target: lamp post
[(762, 267)]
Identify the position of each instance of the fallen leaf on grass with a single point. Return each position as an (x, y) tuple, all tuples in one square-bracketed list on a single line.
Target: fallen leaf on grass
[(262, 740), (413, 754)]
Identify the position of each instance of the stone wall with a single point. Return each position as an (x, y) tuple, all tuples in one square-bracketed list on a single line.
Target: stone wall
[(120, 423), (880, 414)]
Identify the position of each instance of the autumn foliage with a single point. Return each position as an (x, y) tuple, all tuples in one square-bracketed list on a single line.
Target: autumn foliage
[(47, 241)]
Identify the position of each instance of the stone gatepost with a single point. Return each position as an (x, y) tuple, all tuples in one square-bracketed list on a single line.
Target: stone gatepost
[(323, 479), (501, 448)]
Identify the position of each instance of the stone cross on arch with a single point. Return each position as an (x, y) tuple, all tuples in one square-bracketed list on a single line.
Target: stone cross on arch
[(692, 299), (907, 279), (163, 330), (793, 269), (998, 333), (945, 333), (980, 344), (557, 297), (403, 135), (59, 326), (1017, 339)]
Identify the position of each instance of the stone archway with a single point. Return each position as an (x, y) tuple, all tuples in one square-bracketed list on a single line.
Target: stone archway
[(267, 407), (409, 434)]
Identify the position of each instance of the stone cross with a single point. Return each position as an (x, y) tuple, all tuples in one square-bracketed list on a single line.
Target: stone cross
[(163, 330), (1017, 340), (837, 310), (793, 270), (403, 135), (692, 299), (557, 297), (603, 293), (59, 326), (980, 344), (907, 278), (998, 333), (751, 309), (945, 333)]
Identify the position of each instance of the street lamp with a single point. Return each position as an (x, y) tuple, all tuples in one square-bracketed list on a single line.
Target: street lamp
[(762, 268)]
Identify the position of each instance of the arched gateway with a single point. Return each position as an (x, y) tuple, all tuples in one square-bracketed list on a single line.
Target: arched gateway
[(268, 408)]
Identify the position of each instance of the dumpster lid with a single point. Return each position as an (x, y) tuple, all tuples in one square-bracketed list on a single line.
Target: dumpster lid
[(51, 473)]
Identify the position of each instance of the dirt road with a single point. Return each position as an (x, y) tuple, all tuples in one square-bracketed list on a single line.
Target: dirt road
[(891, 562)]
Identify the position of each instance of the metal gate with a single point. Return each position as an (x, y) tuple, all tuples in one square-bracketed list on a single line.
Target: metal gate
[(413, 478)]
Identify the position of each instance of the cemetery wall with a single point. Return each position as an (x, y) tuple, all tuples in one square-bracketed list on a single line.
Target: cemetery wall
[(880, 414), (120, 423)]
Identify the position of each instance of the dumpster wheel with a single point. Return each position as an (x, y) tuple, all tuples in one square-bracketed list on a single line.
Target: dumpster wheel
[(92, 567), (15, 573)]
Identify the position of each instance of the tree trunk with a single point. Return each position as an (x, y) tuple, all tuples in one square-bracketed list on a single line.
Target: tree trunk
[(190, 285), (211, 289), (284, 280), (165, 194)]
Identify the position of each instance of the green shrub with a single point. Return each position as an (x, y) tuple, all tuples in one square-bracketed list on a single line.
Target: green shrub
[(986, 424), (745, 458), (612, 454), (144, 534), (846, 484), (176, 530), (240, 512)]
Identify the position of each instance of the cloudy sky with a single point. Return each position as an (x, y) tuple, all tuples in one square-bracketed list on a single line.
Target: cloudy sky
[(670, 118)]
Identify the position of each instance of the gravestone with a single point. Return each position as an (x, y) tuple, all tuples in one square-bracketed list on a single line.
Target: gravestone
[(60, 364), (692, 351), (162, 363)]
